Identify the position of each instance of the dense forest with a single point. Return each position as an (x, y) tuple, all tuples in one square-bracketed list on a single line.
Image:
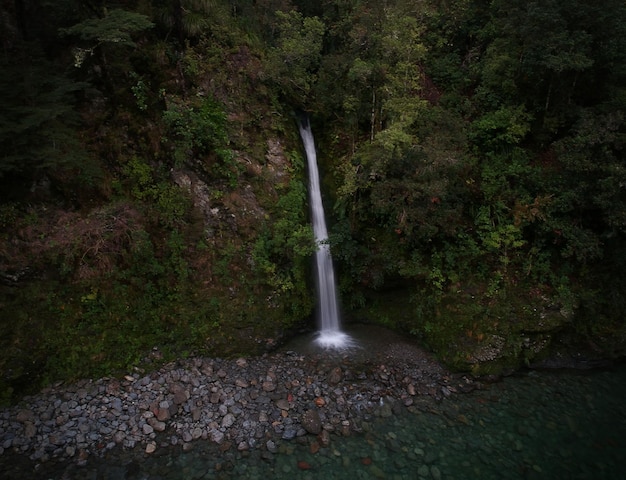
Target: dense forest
[(153, 190)]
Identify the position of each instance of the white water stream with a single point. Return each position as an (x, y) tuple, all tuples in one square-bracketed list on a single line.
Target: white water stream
[(330, 334)]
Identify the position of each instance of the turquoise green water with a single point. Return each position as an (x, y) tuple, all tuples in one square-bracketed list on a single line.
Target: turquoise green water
[(539, 425)]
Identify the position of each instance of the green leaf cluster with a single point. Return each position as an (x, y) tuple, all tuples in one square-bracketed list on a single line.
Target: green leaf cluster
[(295, 59), (115, 27), (196, 131), (283, 250)]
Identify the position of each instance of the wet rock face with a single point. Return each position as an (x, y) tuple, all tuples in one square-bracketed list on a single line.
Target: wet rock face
[(277, 162), (201, 196), (240, 404)]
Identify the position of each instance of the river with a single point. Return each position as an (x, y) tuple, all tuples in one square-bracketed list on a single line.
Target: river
[(535, 424)]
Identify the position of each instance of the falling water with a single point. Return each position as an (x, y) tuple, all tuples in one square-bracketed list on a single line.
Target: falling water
[(330, 334)]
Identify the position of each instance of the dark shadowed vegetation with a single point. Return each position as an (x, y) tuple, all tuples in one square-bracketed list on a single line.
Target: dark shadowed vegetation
[(153, 194)]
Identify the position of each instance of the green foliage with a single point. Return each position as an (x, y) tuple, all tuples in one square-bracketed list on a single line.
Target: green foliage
[(196, 132), (295, 59), (201, 128), (170, 202), (9, 213), (186, 18), (511, 178), (115, 27), (500, 129), (39, 124), (140, 176), (282, 252), (140, 91), (475, 152)]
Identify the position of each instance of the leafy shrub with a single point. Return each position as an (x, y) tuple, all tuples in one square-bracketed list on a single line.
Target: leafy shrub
[(171, 203), (196, 131)]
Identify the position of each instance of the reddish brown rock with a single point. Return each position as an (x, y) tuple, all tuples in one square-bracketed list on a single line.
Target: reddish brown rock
[(302, 465)]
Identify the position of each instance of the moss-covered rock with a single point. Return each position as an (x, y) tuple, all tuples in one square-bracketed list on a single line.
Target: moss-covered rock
[(470, 331), (488, 335)]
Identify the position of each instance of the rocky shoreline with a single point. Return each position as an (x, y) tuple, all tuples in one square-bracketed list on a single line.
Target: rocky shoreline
[(239, 404)]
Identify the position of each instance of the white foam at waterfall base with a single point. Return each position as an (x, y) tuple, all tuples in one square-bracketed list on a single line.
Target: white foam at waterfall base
[(330, 335), (334, 339)]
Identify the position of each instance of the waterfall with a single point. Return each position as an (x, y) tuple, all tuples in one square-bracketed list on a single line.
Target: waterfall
[(330, 334)]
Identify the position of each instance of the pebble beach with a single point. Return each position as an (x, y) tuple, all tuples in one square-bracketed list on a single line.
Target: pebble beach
[(239, 404)]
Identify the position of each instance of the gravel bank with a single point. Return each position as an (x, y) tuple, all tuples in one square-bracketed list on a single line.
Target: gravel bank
[(239, 404)]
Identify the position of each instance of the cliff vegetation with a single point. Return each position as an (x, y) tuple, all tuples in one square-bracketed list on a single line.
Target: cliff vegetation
[(153, 190)]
